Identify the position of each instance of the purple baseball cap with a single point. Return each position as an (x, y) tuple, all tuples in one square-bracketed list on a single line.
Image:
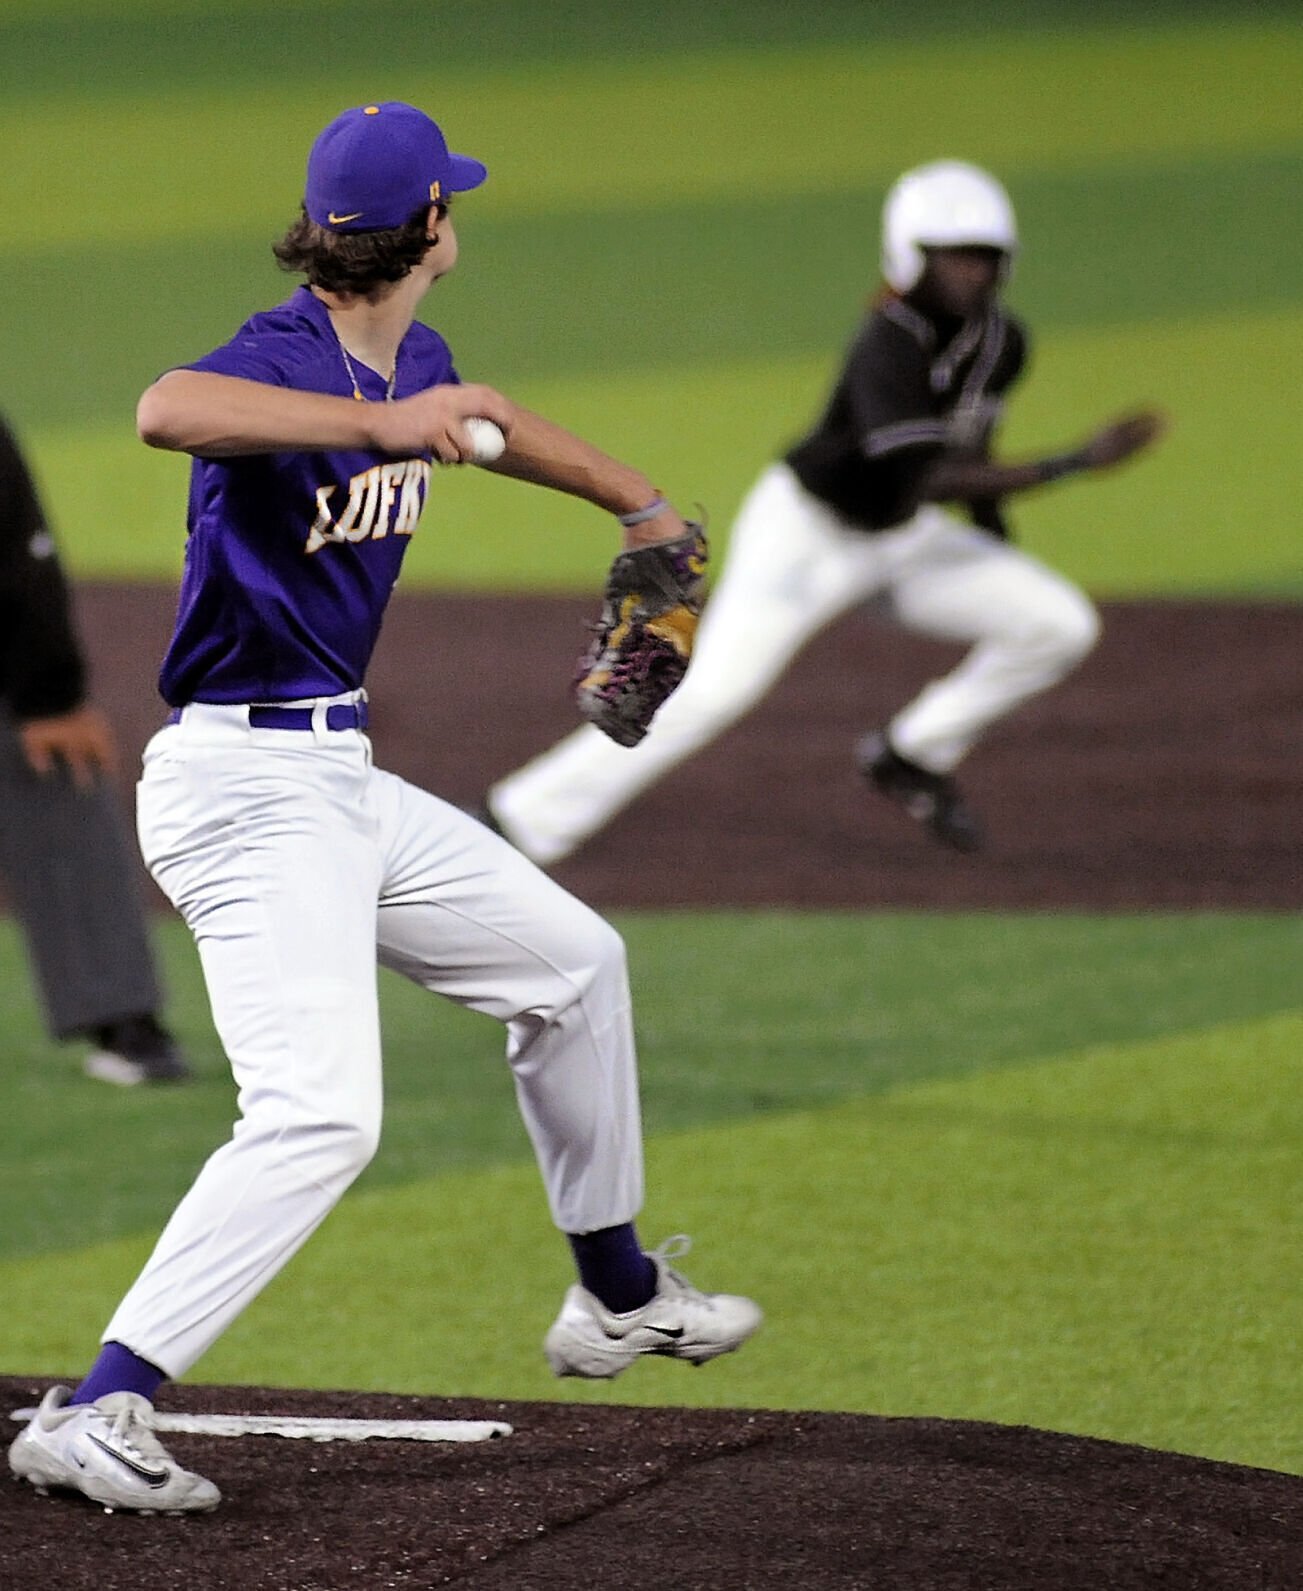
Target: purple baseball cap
[(375, 165)]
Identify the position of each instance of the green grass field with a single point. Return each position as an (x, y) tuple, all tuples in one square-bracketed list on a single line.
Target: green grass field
[(1031, 1169), (677, 236)]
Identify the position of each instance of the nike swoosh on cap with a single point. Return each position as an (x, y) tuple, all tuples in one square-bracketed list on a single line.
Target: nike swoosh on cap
[(151, 1477), (338, 220)]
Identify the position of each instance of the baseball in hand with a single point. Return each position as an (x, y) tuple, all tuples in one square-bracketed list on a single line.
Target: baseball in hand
[(487, 440)]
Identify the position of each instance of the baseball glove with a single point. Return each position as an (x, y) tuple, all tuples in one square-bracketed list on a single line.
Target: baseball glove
[(643, 640)]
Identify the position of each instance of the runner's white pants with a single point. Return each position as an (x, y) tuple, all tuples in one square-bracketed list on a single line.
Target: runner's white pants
[(297, 865), (793, 565)]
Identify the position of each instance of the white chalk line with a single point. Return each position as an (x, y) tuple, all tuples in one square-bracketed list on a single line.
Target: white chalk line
[(314, 1429)]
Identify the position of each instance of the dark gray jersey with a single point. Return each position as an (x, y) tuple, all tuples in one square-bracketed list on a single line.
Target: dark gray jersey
[(911, 388), (42, 672)]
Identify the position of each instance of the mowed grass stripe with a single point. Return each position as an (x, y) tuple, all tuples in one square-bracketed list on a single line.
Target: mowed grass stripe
[(1145, 243), (175, 164), (1101, 249), (121, 47), (1177, 522), (1214, 509), (738, 1013), (1106, 1243)]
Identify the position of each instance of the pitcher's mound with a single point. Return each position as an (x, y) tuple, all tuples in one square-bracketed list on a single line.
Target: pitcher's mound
[(633, 1499)]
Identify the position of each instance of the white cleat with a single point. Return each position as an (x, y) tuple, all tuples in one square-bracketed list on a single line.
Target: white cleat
[(678, 1322), (107, 1450)]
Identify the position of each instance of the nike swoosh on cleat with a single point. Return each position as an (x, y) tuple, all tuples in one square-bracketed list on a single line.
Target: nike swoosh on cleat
[(673, 1332), (151, 1477)]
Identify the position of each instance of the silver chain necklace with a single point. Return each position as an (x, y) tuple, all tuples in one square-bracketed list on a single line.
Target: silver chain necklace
[(352, 374)]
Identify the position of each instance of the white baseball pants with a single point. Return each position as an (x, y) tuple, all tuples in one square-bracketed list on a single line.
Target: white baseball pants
[(793, 566), (297, 865)]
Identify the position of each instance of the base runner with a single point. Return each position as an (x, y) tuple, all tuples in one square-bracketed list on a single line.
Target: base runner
[(852, 513)]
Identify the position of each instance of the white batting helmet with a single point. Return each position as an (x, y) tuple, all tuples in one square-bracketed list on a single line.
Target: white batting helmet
[(946, 204)]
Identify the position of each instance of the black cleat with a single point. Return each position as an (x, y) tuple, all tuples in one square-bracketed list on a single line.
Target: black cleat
[(136, 1049), (932, 799)]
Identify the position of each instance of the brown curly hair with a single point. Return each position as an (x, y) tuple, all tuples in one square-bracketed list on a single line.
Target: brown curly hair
[(354, 262)]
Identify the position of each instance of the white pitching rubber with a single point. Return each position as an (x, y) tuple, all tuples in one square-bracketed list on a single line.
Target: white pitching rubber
[(315, 1429)]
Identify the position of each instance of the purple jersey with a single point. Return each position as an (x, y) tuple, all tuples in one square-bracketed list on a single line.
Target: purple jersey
[(291, 557)]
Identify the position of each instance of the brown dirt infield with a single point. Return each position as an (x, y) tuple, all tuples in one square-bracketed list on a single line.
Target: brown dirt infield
[(1165, 774)]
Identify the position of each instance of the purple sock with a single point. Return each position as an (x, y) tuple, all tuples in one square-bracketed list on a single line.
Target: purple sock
[(613, 1267), (117, 1369)]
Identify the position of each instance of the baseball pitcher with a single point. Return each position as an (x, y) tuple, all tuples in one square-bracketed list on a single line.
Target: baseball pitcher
[(297, 863)]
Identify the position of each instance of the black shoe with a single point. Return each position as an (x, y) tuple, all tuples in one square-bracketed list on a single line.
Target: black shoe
[(137, 1049), (932, 799)]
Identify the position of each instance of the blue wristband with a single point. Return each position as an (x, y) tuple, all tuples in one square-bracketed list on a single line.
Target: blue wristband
[(640, 516)]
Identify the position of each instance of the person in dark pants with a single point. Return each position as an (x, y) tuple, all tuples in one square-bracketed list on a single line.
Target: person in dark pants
[(66, 861)]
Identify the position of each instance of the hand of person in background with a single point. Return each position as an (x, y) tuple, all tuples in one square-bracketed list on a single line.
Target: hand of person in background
[(1123, 438), (81, 740)]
